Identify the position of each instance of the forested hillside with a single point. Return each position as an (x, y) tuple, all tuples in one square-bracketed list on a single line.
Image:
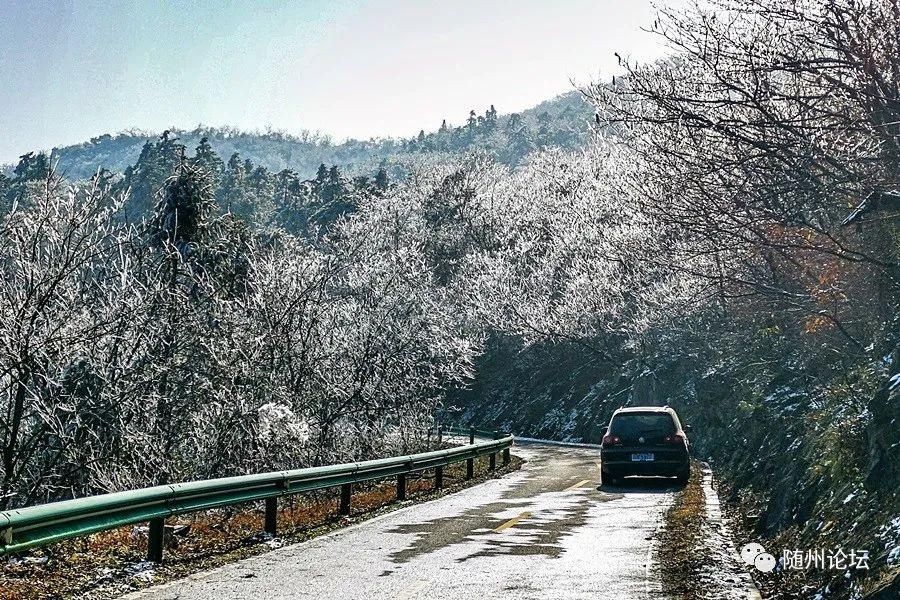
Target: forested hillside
[(563, 121), (729, 245)]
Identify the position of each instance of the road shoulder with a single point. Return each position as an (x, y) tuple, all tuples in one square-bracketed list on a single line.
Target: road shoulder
[(695, 552)]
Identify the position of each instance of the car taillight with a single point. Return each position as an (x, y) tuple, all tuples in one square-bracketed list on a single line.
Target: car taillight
[(675, 439), (611, 440)]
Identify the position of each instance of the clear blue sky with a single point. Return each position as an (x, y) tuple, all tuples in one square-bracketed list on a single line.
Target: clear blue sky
[(73, 69)]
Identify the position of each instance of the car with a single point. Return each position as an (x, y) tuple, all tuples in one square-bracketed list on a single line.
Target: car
[(646, 441)]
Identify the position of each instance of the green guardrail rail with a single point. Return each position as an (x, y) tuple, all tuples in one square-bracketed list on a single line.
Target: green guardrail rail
[(471, 432), (35, 526)]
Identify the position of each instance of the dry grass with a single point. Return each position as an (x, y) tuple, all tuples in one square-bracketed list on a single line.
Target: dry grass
[(678, 551)]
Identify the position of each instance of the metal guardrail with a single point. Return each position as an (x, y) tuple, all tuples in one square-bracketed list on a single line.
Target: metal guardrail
[(471, 432), (35, 526)]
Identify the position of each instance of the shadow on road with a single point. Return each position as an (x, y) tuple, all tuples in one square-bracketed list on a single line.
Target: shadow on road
[(642, 485)]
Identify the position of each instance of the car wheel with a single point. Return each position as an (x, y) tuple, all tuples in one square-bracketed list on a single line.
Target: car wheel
[(683, 477)]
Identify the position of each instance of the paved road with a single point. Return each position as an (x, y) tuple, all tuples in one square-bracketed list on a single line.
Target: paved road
[(544, 532)]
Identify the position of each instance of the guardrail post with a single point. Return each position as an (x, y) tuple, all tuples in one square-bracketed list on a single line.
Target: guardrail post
[(346, 494), (470, 468), (440, 433), (493, 461), (438, 478), (472, 434), (506, 456), (401, 487), (271, 516), (156, 534)]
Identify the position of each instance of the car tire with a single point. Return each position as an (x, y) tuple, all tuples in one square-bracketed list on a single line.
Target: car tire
[(683, 476)]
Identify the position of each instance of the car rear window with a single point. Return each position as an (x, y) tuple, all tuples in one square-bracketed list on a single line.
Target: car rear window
[(635, 424)]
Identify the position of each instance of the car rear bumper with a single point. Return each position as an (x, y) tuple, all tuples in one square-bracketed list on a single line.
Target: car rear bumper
[(667, 462)]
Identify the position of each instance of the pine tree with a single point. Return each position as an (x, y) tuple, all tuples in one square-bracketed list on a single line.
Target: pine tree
[(381, 181), (543, 134), (333, 188), (207, 159), (290, 203), (322, 174), (490, 118), (156, 163), (334, 197), (184, 208), (31, 168)]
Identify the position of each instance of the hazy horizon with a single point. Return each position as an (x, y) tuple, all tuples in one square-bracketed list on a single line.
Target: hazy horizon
[(350, 69)]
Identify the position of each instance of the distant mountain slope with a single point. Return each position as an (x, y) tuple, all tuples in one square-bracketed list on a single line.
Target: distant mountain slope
[(561, 121)]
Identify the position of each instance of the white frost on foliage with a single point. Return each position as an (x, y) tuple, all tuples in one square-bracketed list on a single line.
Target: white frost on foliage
[(278, 422), (894, 382), (890, 535)]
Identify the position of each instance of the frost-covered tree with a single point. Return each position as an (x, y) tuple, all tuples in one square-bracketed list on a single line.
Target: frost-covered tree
[(64, 274)]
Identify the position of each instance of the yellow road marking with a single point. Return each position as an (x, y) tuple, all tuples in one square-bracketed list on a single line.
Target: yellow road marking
[(577, 485), (512, 522)]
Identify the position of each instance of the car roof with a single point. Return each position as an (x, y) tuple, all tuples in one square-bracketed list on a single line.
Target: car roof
[(644, 409)]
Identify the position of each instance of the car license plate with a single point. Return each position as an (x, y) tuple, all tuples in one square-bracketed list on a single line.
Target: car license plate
[(645, 457)]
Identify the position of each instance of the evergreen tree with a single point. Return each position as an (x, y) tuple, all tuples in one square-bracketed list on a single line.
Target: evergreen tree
[(207, 159), (232, 183), (156, 163), (261, 185), (544, 136), (519, 142), (333, 188), (322, 174), (184, 209), (290, 203), (31, 168), (334, 199), (381, 181)]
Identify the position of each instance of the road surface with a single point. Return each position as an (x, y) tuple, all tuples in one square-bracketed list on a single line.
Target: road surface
[(543, 532)]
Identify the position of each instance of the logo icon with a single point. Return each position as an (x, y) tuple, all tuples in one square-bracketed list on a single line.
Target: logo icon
[(641, 440), (754, 554), (765, 562)]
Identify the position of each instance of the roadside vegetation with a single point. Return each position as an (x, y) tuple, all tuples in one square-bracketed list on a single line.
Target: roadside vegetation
[(726, 242)]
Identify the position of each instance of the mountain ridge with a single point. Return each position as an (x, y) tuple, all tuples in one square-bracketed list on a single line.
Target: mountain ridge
[(559, 121)]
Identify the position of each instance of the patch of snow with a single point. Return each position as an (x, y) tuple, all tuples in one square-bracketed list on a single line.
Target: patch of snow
[(849, 497), (894, 382), (275, 543), (143, 571), (727, 577), (890, 535)]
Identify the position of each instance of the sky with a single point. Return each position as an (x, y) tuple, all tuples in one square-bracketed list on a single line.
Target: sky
[(74, 69)]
